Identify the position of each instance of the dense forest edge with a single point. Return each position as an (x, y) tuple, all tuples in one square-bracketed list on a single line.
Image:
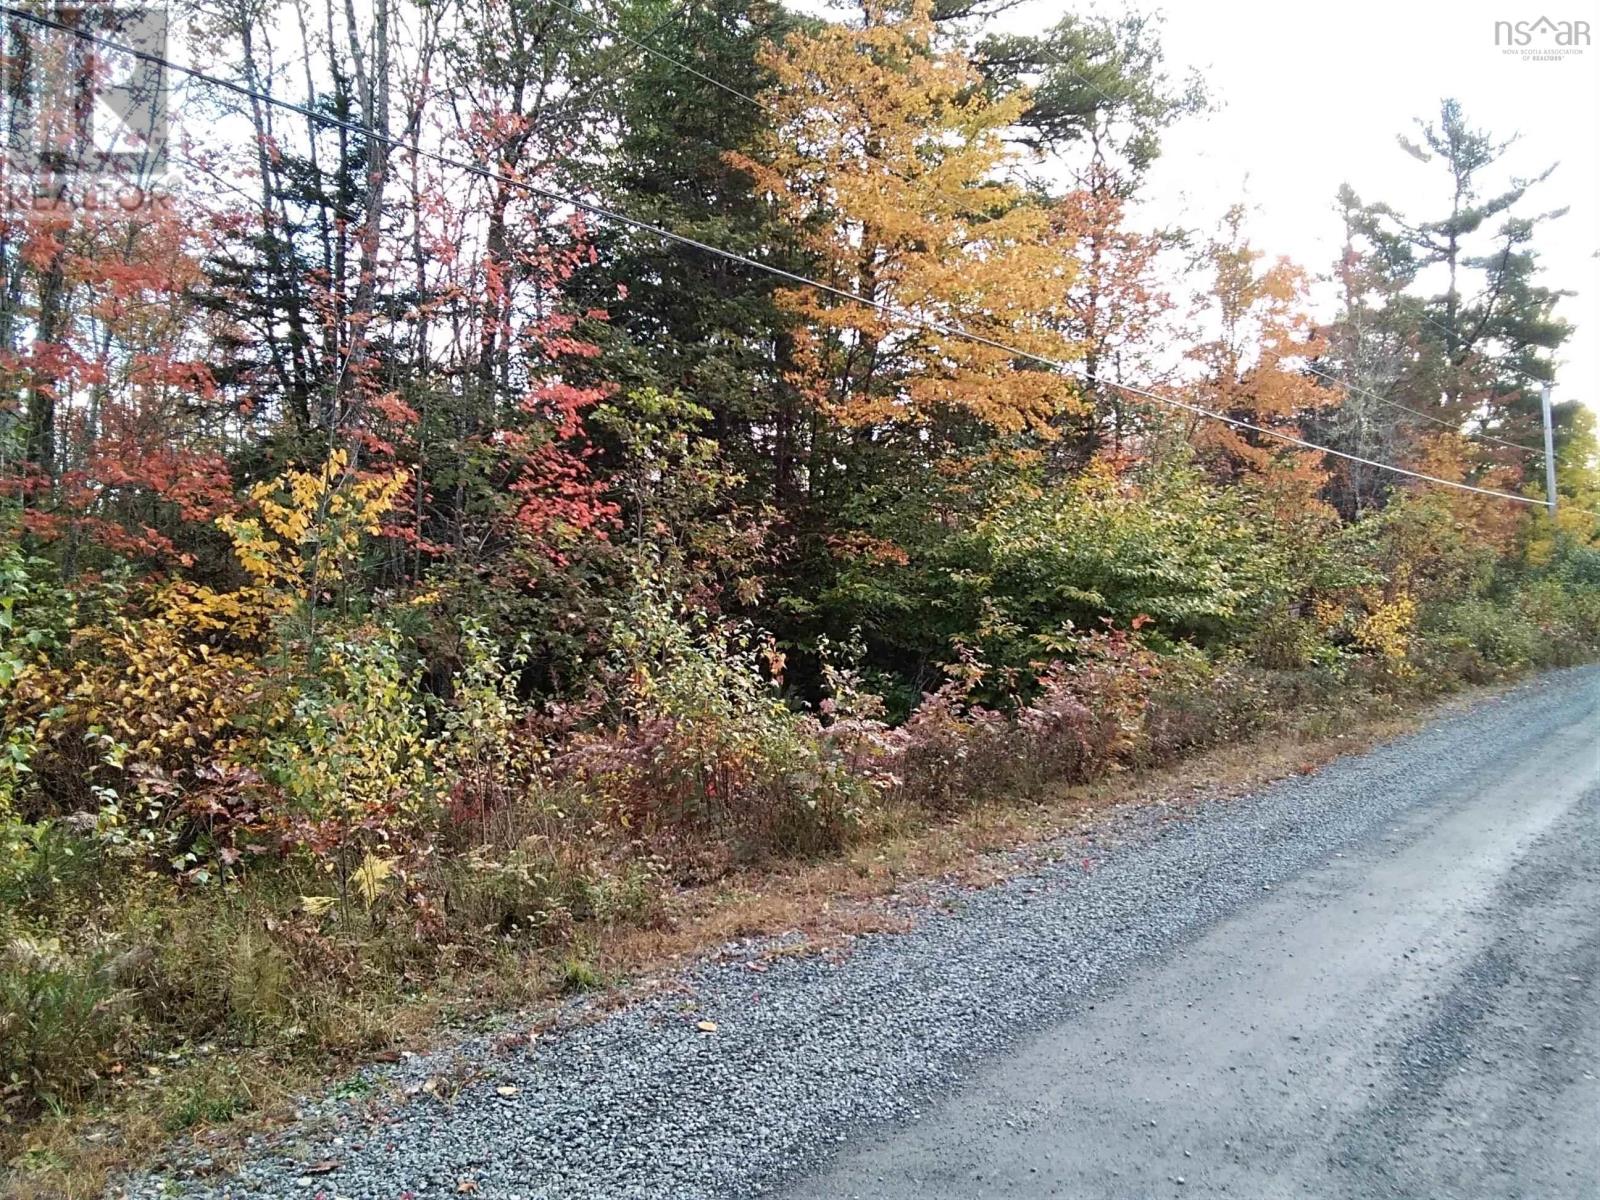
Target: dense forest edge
[(409, 577)]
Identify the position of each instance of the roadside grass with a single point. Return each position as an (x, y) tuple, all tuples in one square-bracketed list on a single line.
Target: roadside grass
[(211, 1097)]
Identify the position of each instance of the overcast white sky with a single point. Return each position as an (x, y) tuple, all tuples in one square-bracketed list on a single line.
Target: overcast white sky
[(1313, 95)]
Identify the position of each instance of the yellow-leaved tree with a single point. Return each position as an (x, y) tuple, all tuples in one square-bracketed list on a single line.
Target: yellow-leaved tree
[(307, 530), (888, 158)]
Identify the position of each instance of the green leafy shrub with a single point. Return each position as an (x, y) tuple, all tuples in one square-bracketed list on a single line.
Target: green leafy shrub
[(1284, 639), (706, 746), (50, 869), (1168, 549), (1480, 637), (345, 750), (36, 618), (489, 749)]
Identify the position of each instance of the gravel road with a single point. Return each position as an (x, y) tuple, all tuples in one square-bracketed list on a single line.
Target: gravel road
[(1381, 980)]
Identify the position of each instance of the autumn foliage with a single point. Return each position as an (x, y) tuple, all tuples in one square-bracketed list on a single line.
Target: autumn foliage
[(404, 570)]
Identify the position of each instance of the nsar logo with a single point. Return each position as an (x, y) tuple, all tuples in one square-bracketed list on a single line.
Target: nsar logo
[(1542, 40)]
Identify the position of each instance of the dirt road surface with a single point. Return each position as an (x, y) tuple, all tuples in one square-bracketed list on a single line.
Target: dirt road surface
[(1418, 1015)]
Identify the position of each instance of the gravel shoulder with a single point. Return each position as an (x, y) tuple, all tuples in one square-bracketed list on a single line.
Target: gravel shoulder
[(1378, 980)]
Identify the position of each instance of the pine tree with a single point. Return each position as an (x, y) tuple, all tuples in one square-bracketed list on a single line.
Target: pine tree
[(1098, 93), (1483, 342), (1098, 100), (684, 320)]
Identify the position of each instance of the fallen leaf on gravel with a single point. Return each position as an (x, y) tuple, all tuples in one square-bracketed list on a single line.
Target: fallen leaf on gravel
[(323, 1166), (505, 1089), (466, 1185), (707, 1026)]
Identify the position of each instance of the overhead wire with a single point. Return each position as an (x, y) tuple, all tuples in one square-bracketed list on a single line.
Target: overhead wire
[(606, 213), (595, 23), (1101, 92), (1312, 369), (1056, 61)]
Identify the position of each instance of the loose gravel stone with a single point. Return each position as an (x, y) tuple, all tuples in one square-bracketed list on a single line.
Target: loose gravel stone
[(731, 1083)]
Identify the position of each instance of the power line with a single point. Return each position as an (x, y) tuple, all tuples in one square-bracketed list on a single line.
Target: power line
[(745, 96), (1053, 60), (761, 104), (1417, 412), (1443, 328), (637, 223), (1516, 371), (599, 70), (664, 57)]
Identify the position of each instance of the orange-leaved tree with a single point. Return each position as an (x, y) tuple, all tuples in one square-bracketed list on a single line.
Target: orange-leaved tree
[(1254, 369), (1114, 309), (890, 161)]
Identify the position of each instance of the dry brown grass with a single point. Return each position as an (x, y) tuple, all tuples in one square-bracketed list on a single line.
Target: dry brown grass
[(72, 1155)]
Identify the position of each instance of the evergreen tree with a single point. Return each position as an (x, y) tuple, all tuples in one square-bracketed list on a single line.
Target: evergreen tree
[(1445, 315), (683, 320), (1492, 327), (1095, 86), (1097, 100)]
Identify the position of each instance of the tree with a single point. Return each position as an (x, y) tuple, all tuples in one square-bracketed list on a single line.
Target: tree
[(683, 320), (888, 161), (1371, 345), (889, 165), (1482, 344), (1113, 315), (121, 426), (1253, 367), (1098, 99), (1098, 87)]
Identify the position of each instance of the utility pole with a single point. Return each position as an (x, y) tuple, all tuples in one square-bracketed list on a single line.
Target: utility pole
[(1549, 451)]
